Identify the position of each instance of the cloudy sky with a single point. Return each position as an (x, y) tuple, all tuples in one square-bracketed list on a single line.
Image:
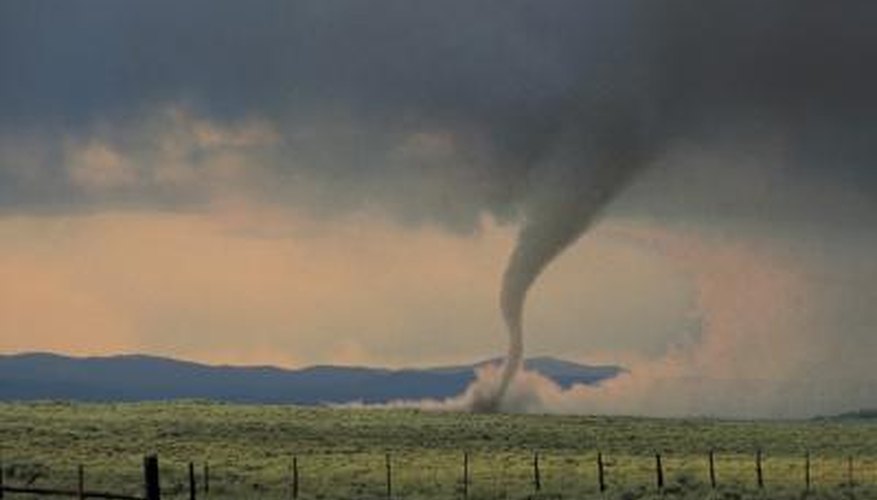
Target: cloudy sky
[(343, 182)]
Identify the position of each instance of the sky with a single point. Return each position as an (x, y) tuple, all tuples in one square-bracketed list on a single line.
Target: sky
[(309, 182)]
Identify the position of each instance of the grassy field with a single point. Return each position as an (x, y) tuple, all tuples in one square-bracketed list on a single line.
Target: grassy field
[(341, 452)]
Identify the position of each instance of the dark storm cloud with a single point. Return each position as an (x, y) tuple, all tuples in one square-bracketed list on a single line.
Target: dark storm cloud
[(513, 88)]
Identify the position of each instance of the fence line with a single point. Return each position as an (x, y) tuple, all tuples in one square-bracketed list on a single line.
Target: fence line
[(848, 475), (151, 485)]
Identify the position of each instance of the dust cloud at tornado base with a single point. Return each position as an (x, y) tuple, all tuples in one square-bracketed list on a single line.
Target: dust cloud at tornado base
[(765, 347)]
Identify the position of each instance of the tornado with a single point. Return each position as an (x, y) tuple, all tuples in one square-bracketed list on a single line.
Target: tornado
[(571, 199)]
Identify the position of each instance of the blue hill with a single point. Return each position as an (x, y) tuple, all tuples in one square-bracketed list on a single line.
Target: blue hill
[(42, 376)]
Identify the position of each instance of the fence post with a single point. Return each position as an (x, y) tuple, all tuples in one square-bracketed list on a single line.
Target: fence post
[(659, 472), (191, 481), (1, 479), (80, 482), (465, 474), (150, 478), (712, 469), (389, 477), (295, 476), (600, 478), (537, 477), (807, 472), (206, 478), (758, 471)]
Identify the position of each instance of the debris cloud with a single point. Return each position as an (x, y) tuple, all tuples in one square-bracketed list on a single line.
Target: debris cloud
[(762, 316)]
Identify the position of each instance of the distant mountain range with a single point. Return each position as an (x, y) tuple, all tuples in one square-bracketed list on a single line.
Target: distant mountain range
[(41, 376)]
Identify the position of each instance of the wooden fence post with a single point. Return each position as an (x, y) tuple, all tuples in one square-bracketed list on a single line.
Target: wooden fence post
[(758, 470), (807, 472), (150, 478), (465, 474), (80, 482), (659, 472), (600, 478), (712, 469), (206, 478), (389, 476), (295, 476), (537, 478), (191, 481)]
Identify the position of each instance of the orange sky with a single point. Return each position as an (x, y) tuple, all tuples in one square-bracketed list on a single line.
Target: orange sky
[(246, 284)]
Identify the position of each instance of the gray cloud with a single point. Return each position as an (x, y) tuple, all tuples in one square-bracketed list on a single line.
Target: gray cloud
[(349, 85)]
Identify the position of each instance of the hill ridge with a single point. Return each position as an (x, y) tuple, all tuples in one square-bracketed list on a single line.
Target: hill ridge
[(143, 377)]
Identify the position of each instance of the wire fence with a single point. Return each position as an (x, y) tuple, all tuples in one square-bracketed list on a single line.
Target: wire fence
[(428, 474)]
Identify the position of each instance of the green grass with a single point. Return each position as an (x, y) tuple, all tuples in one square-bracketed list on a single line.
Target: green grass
[(341, 452)]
